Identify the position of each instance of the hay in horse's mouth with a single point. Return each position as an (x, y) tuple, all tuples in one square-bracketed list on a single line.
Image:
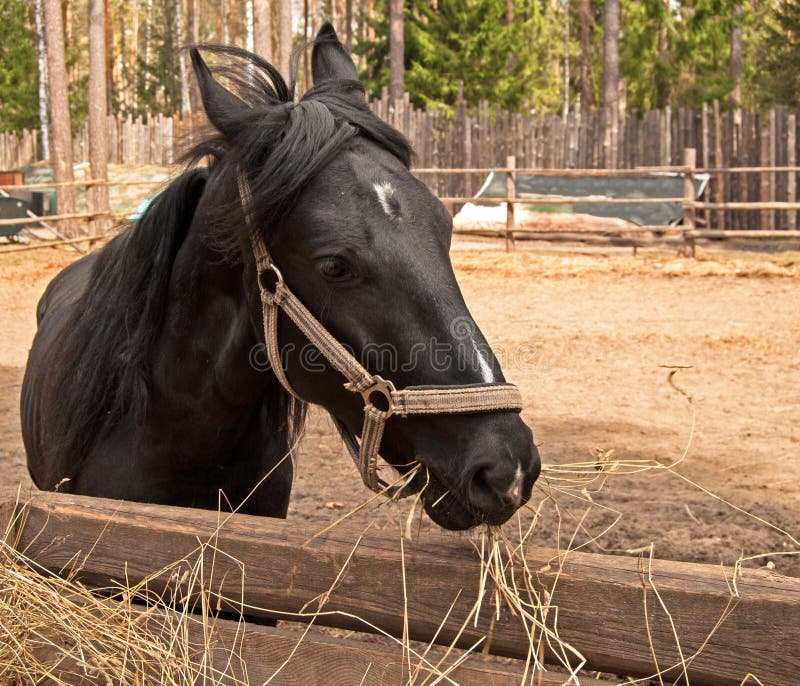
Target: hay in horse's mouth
[(441, 501)]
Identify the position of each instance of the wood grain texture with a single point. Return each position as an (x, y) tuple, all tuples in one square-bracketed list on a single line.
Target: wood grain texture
[(601, 599), (246, 653)]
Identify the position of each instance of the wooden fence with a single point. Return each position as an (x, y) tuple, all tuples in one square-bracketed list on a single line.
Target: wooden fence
[(706, 624), (768, 219), (485, 136)]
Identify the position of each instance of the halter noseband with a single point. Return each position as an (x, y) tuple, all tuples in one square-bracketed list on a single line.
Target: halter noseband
[(403, 402)]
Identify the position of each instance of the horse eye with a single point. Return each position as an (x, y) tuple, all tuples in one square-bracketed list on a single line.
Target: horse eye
[(335, 268)]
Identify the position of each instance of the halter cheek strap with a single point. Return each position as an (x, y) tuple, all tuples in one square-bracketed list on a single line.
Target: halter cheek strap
[(275, 295)]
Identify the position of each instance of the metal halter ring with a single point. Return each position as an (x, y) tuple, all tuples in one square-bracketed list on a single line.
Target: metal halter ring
[(384, 388), (278, 278)]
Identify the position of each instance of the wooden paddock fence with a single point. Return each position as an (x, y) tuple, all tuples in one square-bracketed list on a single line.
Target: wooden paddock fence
[(484, 136), (625, 615), (767, 219)]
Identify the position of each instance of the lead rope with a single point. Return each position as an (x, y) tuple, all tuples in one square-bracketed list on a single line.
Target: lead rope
[(410, 400)]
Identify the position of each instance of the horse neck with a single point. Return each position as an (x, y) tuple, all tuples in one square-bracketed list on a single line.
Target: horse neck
[(207, 348)]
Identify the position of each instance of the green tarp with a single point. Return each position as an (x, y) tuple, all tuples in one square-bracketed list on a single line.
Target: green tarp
[(648, 185)]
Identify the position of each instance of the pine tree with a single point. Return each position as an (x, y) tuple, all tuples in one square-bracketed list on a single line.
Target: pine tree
[(19, 83), (610, 82), (470, 41), (61, 149), (780, 82)]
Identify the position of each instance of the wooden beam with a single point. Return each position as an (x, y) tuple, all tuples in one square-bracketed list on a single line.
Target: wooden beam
[(608, 608), (784, 234), (766, 205), (572, 200), (246, 653), (54, 244)]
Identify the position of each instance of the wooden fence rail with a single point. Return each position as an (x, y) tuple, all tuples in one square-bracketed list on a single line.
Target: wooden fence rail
[(625, 615), (776, 218), (480, 138)]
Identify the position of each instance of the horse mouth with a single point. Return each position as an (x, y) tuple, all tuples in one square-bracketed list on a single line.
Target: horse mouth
[(446, 509)]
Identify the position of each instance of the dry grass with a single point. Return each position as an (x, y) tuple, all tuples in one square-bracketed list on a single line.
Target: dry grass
[(54, 628)]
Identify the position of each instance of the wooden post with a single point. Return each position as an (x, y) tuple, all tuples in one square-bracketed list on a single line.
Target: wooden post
[(511, 193), (773, 162), (719, 179), (791, 161), (764, 161), (706, 157), (689, 219)]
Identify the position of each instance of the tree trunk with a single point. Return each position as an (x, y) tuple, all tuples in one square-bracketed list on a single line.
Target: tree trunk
[(109, 28), (224, 11), (610, 82), (348, 19), (67, 14), (133, 50), (98, 122), (61, 157), (587, 98), (148, 44), (397, 51), (193, 38), (736, 56), (306, 33), (232, 22), (44, 116), (249, 24), (262, 29), (565, 108), (370, 20), (121, 61), (510, 22), (662, 83), (182, 74), (285, 33)]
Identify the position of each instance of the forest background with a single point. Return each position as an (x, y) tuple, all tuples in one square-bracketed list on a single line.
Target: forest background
[(525, 55)]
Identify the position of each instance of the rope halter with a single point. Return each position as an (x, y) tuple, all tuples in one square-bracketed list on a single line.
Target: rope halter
[(381, 398)]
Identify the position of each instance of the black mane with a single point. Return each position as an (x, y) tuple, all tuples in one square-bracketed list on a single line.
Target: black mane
[(281, 145), (107, 356)]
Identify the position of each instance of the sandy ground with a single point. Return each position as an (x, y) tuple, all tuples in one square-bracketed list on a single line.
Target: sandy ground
[(587, 337)]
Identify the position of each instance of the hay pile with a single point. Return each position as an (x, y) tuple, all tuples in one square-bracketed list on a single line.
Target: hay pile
[(54, 630)]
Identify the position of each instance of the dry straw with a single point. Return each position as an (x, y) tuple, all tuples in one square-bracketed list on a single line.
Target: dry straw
[(53, 628)]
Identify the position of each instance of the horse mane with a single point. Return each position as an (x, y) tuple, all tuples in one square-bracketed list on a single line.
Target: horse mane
[(281, 144), (105, 360)]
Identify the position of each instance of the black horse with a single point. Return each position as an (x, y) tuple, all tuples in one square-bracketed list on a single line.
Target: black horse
[(141, 382)]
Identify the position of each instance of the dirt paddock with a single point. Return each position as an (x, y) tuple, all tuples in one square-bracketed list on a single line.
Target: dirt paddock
[(588, 338)]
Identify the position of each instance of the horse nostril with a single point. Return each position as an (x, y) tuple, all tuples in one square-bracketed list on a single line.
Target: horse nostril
[(491, 489)]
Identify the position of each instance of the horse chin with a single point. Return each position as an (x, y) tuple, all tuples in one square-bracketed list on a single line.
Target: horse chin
[(448, 513), (446, 510)]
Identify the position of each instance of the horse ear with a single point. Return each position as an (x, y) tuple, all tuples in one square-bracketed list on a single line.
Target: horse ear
[(329, 59), (219, 103)]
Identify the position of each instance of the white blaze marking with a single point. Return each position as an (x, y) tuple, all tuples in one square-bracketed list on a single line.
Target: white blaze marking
[(516, 486), (384, 191), (486, 370)]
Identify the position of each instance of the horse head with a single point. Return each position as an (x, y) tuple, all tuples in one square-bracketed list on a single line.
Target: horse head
[(364, 246)]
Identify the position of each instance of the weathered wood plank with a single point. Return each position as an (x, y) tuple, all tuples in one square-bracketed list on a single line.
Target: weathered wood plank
[(607, 608), (246, 653)]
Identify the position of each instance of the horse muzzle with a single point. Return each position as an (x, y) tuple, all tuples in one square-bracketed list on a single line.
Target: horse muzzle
[(477, 469)]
